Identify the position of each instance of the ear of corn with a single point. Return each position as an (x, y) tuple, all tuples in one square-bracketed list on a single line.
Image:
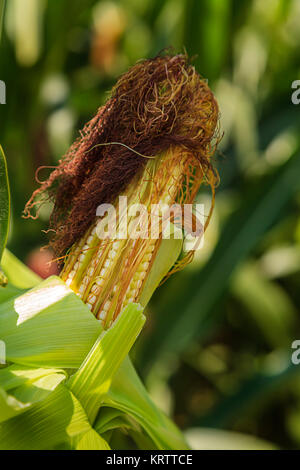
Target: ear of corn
[(110, 274), (151, 142)]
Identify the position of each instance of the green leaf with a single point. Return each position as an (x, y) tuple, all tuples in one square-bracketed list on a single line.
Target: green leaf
[(16, 375), (92, 381), (10, 407), (17, 273), (53, 419), (128, 394), (92, 441), (207, 22), (266, 303), (142, 440), (57, 421), (111, 418), (24, 396), (4, 198), (48, 326), (9, 292)]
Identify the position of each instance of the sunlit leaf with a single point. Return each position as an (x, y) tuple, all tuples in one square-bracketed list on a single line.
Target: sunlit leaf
[(16, 375), (26, 395), (91, 440), (111, 418), (128, 394), (48, 326), (63, 420), (92, 381)]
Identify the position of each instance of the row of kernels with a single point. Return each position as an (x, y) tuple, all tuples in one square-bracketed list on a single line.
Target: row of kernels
[(139, 275), (104, 310)]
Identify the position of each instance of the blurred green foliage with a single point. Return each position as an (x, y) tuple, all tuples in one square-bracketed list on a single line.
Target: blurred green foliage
[(216, 350)]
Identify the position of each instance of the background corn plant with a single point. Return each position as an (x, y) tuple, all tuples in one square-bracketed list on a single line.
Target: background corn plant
[(215, 352)]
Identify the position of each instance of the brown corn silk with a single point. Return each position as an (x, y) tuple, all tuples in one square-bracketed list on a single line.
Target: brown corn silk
[(152, 141)]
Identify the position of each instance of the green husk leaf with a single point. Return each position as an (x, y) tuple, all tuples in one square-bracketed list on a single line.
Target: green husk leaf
[(17, 375), (9, 406), (167, 255), (56, 422), (128, 394), (92, 381), (17, 273), (142, 440), (48, 326), (111, 418), (26, 395), (91, 440)]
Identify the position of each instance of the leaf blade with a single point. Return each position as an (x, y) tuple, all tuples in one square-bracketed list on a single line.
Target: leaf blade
[(17, 273), (48, 326), (128, 394), (92, 381), (4, 200)]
